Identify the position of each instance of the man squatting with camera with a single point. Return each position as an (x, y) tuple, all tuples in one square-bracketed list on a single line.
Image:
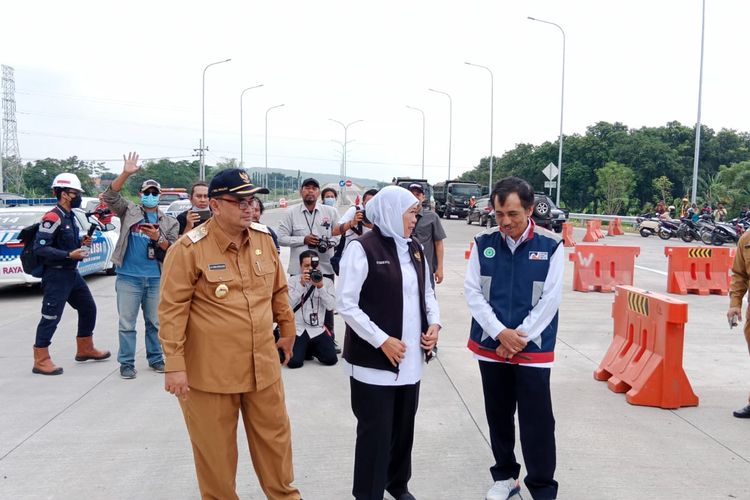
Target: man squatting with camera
[(311, 294), (308, 226)]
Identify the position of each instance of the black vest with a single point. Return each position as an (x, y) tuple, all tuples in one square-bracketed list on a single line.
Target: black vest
[(381, 298)]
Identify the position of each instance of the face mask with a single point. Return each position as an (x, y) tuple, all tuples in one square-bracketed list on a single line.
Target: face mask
[(149, 200), (75, 202), (330, 201)]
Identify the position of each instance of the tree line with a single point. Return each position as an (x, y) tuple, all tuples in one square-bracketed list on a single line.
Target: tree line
[(617, 170)]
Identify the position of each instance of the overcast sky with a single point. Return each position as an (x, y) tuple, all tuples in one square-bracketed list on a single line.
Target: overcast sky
[(96, 79)]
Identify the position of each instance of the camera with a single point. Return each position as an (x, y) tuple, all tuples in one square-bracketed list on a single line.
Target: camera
[(323, 245), (316, 276)]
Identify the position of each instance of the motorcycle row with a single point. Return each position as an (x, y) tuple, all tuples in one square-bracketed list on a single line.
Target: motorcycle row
[(705, 229)]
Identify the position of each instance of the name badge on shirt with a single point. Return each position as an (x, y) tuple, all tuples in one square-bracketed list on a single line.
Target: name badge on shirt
[(217, 267), (538, 256)]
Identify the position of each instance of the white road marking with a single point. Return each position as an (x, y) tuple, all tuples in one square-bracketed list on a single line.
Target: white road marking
[(663, 273)]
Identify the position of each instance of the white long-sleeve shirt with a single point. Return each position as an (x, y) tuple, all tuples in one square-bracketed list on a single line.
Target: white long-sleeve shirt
[(320, 300), (352, 275), (538, 318)]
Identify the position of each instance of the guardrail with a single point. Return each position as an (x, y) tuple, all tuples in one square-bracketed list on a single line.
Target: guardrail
[(626, 219)]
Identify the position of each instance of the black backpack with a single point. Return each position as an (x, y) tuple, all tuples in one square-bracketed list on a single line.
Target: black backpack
[(31, 262)]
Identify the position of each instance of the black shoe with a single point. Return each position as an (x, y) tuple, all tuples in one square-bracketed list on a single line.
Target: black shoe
[(403, 496), (743, 413), (158, 367)]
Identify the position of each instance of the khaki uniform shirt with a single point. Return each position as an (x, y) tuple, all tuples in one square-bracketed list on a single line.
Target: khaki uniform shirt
[(740, 271), (217, 308)]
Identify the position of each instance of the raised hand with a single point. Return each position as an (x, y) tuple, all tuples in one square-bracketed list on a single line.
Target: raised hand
[(131, 163)]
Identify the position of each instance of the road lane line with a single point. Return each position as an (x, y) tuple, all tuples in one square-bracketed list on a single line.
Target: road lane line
[(663, 273)]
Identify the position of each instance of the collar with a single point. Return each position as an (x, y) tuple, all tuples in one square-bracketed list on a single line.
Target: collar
[(64, 212), (222, 238), (304, 209), (526, 235)]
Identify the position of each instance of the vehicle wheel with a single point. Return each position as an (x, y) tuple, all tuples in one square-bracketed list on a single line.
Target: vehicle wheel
[(441, 214), (706, 237), (664, 234), (541, 209), (716, 240), (687, 237), (558, 229), (645, 232), (110, 271)]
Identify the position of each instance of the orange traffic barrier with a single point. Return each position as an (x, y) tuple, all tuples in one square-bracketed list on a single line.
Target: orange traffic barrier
[(601, 268), (698, 270), (567, 234), (644, 359), (590, 235), (614, 228), (467, 253), (598, 229)]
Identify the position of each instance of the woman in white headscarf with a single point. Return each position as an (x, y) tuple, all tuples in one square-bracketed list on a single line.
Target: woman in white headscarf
[(392, 321)]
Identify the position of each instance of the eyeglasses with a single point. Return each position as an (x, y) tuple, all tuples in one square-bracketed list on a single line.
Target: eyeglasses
[(241, 204), (151, 192)]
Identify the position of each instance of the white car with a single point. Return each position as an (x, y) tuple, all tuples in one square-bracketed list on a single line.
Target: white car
[(13, 219), (177, 207)]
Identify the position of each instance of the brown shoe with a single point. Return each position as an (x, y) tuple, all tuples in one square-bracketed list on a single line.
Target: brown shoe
[(87, 351), (43, 363)]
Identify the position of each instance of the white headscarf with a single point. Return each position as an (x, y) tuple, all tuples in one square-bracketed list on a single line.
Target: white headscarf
[(386, 210)]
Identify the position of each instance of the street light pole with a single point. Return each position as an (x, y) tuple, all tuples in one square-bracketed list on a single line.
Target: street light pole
[(562, 107), (450, 126), (242, 138), (492, 114), (698, 125), (346, 128), (423, 128), (266, 142), (203, 147)]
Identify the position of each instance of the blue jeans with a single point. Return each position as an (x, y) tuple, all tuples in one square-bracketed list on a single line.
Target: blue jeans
[(133, 294)]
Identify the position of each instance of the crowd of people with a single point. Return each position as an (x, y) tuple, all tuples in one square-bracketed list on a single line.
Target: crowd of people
[(212, 291)]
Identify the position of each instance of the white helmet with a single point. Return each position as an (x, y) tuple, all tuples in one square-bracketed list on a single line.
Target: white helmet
[(69, 181)]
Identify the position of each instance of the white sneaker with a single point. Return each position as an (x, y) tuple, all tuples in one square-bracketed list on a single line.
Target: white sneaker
[(503, 490)]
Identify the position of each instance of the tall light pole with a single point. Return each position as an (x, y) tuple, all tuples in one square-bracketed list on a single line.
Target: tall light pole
[(266, 148), (698, 124), (346, 128), (423, 127), (562, 107), (492, 113), (242, 138), (203, 147), (450, 126)]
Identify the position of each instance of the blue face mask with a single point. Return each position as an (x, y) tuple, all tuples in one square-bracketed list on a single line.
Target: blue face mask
[(149, 200), (329, 201)]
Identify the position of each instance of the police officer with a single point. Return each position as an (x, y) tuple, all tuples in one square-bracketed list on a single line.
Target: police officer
[(59, 244), (223, 288)]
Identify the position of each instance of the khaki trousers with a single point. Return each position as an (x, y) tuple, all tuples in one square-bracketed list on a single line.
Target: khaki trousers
[(211, 420)]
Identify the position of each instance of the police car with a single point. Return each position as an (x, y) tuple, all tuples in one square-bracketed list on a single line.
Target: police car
[(15, 218)]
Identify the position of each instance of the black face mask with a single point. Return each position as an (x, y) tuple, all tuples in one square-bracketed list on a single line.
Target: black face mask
[(76, 202)]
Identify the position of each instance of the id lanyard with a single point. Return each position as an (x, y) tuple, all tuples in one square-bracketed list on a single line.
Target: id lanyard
[(310, 225), (313, 316)]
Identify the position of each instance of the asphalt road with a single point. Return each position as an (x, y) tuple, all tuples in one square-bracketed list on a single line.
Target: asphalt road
[(90, 434)]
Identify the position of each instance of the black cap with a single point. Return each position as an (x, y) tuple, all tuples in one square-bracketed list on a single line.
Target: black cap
[(416, 186), (310, 180), (234, 181)]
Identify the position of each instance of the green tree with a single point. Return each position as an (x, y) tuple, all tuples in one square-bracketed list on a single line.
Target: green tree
[(663, 186), (38, 176), (735, 181), (180, 174), (615, 182)]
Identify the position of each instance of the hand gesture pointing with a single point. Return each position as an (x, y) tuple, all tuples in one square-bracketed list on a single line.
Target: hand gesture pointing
[(131, 163)]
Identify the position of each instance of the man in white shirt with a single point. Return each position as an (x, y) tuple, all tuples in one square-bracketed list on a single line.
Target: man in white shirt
[(513, 288), (312, 294)]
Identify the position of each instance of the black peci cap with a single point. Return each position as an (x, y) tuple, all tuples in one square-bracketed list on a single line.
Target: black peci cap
[(234, 181)]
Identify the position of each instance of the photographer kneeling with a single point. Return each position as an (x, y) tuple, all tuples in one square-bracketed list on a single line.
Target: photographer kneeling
[(311, 294)]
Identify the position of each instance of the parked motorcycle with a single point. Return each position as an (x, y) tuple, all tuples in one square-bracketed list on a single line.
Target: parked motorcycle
[(688, 231), (647, 224), (668, 228), (724, 233)]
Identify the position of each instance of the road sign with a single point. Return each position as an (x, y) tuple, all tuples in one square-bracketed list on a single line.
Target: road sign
[(550, 171), (348, 183), (342, 182), (550, 184)]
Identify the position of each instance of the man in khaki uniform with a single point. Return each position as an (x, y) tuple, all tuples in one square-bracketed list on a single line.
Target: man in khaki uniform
[(222, 290), (737, 290)]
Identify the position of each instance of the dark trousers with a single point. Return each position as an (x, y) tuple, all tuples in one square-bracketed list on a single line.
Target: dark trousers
[(320, 346), (328, 320), (506, 386), (385, 434), (61, 286)]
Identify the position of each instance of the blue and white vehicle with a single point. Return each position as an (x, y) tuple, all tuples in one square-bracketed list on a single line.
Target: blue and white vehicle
[(13, 219)]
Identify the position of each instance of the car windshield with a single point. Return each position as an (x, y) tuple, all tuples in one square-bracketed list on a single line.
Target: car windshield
[(18, 220), (179, 206), (465, 190)]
